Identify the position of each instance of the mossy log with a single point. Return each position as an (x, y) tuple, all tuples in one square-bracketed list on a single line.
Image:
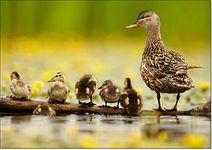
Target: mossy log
[(22, 106)]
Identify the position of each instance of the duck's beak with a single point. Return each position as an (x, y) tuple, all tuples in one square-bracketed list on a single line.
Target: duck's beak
[(133, 25)]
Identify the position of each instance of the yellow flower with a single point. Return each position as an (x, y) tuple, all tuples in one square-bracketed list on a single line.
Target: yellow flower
[(6, 76), (115, 144), (3, 87), (162, 136), (88, 141), (35, 91), (139, 90), (194, 140), (134, 140), (204, 85), (38, 84), (47, 75)]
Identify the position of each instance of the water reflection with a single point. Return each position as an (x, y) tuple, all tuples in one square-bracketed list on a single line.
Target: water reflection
[(21, 119), (66, 131)]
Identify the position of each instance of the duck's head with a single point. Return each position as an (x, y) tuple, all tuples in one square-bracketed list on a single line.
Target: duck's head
[(147, 19), (58, 77), (105, 84), (15, 75), (127, 83)]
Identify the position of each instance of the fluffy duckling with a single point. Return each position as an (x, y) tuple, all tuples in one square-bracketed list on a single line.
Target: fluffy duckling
[(109, 93), (85, 88), (130, 100), (44, 109), (19, 88), (58, 91)]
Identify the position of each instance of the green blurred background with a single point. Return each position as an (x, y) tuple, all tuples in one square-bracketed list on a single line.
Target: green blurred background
[(40, 38), (180, 20), (89, 37)]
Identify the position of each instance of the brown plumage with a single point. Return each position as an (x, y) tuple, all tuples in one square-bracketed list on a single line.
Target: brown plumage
[(130, 99), (85, 88), (163, 71), (109, 92)]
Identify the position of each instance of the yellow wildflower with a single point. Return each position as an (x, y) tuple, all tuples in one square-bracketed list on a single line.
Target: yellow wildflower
[(194, 140), (88, 141), (162, 136), (204, 85)]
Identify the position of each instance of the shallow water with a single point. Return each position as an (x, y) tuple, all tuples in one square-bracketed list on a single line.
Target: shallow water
[(102, 131)]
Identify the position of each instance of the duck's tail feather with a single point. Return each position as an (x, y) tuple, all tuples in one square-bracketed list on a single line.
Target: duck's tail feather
[(194, 67)]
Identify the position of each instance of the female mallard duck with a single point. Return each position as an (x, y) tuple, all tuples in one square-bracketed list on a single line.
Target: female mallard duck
[(44, 109), (163, 71), (58, 91), (130, 100), (109, 92), (85, 88), (18, 87)]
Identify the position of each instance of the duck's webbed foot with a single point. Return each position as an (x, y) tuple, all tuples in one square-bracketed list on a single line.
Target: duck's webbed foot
[(90, 104), (158, 109), (86, 104), (173, 109), (12, 97)]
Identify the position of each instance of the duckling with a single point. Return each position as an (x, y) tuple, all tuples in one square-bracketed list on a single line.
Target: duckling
[(109, 93), (44, 109), (163, 71), (85, 88), (59, 90), (19, 88), (129, 99)]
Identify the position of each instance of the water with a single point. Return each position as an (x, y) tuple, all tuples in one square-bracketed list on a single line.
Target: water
[(102, 131)]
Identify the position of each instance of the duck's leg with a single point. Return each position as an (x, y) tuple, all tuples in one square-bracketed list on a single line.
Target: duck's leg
[(117, 105), (175, 105), (91, 101), (159, 104)]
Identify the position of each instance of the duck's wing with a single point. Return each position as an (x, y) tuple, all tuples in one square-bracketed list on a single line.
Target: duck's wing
[(24, 84), (171, 63)]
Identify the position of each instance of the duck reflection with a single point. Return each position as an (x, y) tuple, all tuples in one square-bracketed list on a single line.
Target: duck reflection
[(20, 119)]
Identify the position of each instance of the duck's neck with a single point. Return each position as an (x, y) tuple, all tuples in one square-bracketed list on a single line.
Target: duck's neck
[(154, 33), (154, 43)]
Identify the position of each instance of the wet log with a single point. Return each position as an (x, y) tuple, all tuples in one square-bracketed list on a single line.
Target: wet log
[(22, 106), (8, 105)]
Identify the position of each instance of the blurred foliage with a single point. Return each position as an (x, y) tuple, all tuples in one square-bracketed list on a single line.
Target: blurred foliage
[(40, 38), (102, 18)]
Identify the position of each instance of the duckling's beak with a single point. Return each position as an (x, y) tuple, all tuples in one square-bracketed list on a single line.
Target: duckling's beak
[(52, 80), (100, 87)]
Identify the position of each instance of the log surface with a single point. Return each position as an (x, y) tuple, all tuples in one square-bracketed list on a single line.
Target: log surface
[(10, 106)]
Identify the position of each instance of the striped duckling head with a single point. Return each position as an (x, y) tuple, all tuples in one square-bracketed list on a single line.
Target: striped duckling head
[(58, 77), (15, 75)]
